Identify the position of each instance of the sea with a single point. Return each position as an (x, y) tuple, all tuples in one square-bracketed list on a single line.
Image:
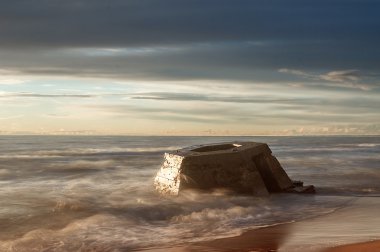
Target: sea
[(95, 193)]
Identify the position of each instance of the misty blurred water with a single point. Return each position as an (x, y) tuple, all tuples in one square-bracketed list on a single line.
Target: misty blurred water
[(70, 193)]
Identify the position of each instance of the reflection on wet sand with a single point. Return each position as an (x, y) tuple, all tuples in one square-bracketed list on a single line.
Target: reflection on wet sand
[(264, 239), (355, 223), (359, 247), (260, 240)]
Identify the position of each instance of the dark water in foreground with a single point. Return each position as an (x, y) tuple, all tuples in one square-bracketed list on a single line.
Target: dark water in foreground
[(95, 193)]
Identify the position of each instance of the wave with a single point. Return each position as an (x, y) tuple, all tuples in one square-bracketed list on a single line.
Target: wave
[(368, 145), (195, 217), (78, 165), (83, 151), (4, 172), (92, 198)]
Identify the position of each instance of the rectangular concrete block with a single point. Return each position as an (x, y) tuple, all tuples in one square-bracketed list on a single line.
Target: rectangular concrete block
[(244, 167)]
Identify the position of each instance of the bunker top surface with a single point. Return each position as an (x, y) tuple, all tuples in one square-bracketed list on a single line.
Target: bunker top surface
[(220, 148)]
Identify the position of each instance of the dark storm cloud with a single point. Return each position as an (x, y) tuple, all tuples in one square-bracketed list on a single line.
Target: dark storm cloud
[(200, 39), (242, 61), (145, 22)]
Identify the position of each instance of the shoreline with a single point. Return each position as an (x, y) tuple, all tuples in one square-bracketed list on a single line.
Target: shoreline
[(369, 246), (268, 239), (352, 228)]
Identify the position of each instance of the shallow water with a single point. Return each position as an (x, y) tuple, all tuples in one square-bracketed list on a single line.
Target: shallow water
[(95, 193)]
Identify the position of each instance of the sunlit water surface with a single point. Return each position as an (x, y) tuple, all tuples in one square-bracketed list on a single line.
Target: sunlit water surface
[(95, 193)]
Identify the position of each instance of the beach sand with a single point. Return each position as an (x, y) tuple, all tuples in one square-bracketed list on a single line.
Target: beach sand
[(357, 224), (358, 247)]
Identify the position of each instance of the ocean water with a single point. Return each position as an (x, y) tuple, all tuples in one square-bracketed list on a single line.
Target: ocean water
[(95, 193)]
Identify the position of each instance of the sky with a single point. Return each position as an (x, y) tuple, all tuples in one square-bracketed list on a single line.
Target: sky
[(190, 67)]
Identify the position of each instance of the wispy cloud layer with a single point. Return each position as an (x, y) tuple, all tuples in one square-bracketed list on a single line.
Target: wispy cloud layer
[(343, 78), (46, 95)]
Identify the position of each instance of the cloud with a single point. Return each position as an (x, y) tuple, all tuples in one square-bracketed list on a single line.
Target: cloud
[(21, 94), (10, 117), (240, 61), (11, 81), (168, 40), (295, 72), (342, 76), (57, 115), (350, 79), (176, 96), (279, 62), (202, 108), (172, 113), (350, 85), (346, 129), (95, 23), (54, 95), (10, 77)]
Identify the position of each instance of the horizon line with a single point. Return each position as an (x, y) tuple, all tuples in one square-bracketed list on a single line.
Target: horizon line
[(137, 135)]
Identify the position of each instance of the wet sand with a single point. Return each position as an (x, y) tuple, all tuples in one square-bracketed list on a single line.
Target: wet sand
[(358, 247), (357, 224), (263, 239)]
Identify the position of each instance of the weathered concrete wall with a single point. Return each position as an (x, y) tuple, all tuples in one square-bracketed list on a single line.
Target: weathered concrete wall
[(244, 167), (168, 178)]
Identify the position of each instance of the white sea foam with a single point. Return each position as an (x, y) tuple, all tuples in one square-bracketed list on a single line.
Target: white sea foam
[(368, 145), (355, 145), (217, 214)]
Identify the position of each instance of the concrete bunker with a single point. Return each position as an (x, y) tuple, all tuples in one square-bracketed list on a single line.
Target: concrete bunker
[(244, 167)]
